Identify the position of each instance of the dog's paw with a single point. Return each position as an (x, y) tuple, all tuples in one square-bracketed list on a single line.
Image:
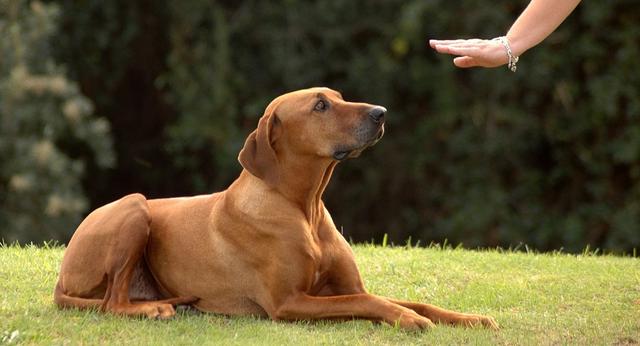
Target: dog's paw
[(159, 311), (153, 310), (470, 320), (413, 321)]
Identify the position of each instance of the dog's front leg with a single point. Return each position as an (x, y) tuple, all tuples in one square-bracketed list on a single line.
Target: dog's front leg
[(366, 306), (440, 315)]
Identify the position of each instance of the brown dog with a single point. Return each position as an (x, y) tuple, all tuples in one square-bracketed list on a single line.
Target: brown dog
[(266, 246)]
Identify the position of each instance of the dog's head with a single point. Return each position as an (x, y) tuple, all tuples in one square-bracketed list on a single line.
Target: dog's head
[(314, 122)]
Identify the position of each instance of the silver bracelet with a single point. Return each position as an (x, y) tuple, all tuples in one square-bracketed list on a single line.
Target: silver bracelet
[(512, 59)]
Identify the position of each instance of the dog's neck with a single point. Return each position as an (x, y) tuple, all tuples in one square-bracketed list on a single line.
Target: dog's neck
[(303, 181)]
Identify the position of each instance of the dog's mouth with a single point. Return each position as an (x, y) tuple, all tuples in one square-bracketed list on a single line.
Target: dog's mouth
[(343, 154), (378, 136)]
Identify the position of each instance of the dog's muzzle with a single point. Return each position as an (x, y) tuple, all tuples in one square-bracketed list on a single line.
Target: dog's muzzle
[(369, 134)]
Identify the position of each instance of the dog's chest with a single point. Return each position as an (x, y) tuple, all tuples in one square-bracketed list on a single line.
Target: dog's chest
[(322, 262)]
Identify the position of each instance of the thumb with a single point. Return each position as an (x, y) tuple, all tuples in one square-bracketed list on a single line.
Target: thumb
[(465, 61)]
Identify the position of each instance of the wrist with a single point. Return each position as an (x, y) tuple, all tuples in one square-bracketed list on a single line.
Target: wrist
[(512, 58), (517, 46)]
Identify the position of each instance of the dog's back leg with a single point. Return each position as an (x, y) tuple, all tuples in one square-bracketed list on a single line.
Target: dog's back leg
[(65, 301), (101, 259)]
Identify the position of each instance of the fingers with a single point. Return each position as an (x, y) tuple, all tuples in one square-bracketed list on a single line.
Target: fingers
[(473, 52), (465, 62), (434, 43), (472, 47), (459, 47), (466, 49), (469, 50)]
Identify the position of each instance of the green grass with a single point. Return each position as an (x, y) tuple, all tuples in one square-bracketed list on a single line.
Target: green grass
[(536, 299)]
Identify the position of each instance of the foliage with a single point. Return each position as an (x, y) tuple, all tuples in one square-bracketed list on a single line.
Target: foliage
[(47, 132), (536, 299), (549, 156)]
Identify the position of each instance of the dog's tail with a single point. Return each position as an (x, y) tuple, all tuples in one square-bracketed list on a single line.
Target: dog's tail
[(64, 301)]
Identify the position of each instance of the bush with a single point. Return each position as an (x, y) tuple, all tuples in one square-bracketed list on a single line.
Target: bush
[(547, 156), (47, 132)]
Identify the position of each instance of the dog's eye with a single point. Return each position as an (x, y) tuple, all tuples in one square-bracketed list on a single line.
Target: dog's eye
[(320, 106)]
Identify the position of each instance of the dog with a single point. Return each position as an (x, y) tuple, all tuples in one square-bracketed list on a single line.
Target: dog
[(266, 246)]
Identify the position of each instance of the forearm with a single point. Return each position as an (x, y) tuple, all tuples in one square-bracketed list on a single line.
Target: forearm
[(537, 21)]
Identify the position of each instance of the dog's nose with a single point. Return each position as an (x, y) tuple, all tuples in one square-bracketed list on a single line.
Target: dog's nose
[(377, 113)]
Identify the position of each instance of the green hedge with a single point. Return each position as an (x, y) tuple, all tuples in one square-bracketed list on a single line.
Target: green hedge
[(548, 156), (49, 136)]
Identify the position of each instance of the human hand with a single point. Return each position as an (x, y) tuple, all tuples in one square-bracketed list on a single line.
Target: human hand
[(473, 52)]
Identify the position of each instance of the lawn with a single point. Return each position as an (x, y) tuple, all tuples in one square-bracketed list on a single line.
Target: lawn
[(536, 299)]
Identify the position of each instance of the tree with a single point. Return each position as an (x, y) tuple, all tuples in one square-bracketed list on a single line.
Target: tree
[(48, 134)]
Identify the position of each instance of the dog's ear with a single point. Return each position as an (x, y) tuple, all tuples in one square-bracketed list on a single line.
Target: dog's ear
[(258, 155)]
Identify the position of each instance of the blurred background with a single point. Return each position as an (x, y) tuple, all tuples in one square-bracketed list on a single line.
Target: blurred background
[(99, 99)]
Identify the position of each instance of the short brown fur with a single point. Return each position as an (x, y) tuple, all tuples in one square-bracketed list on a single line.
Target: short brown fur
[(265, 246)]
